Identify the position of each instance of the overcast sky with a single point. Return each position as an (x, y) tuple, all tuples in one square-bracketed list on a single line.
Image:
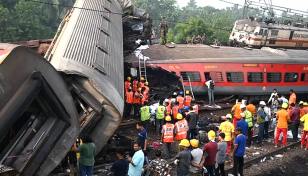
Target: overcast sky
[(293, 4)]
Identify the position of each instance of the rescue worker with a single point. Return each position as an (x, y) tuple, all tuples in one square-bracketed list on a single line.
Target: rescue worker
[(306, 106), (196, 108), (251, 108), (170, 101), (176, 110), (192, 119), (180, 100), (146, 32), (146, 87), (145, 113), (141, 83), (227, 128), (129, 102), (261, 115), (160, 115), (211, 149), (183, 159), (167, 136), (302, 109), (163, 27), (158, 166), (145, 96), (248, 118), (185, 111), (180, 129), (137, 100), (168, 110), (295, 118), (187, 100), (283, 118), (304, 120), (197, 159), (292, 98), (127, 84), (135, 85), (236, 110)]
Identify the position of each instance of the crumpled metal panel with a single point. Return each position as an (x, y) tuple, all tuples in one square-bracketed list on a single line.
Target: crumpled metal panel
[(91, 45)]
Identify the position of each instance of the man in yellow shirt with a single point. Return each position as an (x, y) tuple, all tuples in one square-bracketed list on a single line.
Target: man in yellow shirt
[(305, 130), (227, 128), (236, 111)]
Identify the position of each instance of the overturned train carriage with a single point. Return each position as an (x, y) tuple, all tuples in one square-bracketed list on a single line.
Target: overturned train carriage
[(45, 105)]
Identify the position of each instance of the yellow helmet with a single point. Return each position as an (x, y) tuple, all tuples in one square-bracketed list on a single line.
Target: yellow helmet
[(168, 118), (185, 143), (194, 142), (229, 116), (146, 83), (179, 116), (129, 78), (301, 102), (305, 104), (187, 92), (142, 78), (139, 89), (211, 134), (285, 105)]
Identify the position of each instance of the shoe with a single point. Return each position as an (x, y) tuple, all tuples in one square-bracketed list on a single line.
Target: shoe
[(305, 148), (302, 146), (276, 146)]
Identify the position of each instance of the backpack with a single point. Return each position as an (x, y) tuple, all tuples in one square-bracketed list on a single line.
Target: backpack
[(212, 85)]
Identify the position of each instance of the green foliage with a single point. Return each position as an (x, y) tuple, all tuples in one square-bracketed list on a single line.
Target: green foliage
[(192, 3), (170, 35)]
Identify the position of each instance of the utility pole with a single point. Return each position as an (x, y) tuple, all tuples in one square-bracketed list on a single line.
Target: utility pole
[(245, 10)]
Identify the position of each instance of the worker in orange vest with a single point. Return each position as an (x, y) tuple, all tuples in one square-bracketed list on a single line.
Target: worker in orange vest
[(135, 85), (176, 110), (137, 102), (145, 96), (127, 84), (170, 101), (168, 109), (188, 99), (185, 111), (167, 136), (181, 128), (129, 102), (141, 83), (302, 109), (196, 108), (180, 100), (292, 98), (146, 87), (236, 111)]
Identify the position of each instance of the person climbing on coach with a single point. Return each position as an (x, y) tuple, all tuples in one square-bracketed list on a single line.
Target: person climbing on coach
[(283, 118), (198, 159), (236, 110), (192, 119), (180, 130), (160, 115), (129, 95), (292, 98), (295, 118), (304, 120), (137, 100), (210, 90), (127, 84), (167, 136), (211, 149), (180, 100), (249, 120), (227, 128), (261, 115), (145, 113), (135, 85), (188, 99)]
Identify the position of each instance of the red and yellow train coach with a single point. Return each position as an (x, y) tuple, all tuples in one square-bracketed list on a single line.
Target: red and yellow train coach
[(236, 71)]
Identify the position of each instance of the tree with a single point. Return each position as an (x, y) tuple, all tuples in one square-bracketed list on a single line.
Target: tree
[(192, 3), (5, 23), (170, 36)]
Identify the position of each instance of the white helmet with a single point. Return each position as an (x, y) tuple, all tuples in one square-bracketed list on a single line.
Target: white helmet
[(242, 106), (262, 103)]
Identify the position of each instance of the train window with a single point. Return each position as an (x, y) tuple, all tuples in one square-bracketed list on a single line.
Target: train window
[(217, 76), (290, 77), (193, 76), (255, 77), (273, 77), (236, 77), (274, 32), (261, 32), (304, 77)]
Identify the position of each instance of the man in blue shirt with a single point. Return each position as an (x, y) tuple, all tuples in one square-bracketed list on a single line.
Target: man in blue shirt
[(243, 124), (142, 136), (120, 166), (238, 152), (136, 163)]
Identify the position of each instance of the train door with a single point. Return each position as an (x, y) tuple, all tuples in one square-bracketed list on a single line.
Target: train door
[(264, 37)]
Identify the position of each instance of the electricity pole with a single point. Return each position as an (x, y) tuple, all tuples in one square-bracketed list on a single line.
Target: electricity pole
[(245, 10)]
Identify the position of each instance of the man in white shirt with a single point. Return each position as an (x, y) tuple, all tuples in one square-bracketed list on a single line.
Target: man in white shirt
[(210, 90), (267, 110), (271, 99)]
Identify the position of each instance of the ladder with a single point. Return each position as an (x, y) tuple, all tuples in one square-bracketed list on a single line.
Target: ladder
[(192, 93), (143, 69)]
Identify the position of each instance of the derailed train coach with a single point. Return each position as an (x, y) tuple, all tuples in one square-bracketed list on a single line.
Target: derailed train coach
[(47, 103)]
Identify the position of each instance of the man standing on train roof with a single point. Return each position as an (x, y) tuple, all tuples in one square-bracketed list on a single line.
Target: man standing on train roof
[(272, 96), (236, 110), (163, 27), (146, 32), (127, 84), (292, 98), (210, 90), (180, 100), (188, 98), (261, 115), (283, 118), (249, 120)]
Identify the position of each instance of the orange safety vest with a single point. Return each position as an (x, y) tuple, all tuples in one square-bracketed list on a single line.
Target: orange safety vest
[(196, 109), (292, 98), (169, 101), (127, 85), (129, 97), (187, 100), (181, 129), (136, 99), (181, 101), (141, 84), (135, 86), (146, 89), (168, 111), (168, 133), (146, 96), (175, 111)]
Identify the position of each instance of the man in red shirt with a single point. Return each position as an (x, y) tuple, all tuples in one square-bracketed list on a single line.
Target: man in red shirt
[(211, 151)]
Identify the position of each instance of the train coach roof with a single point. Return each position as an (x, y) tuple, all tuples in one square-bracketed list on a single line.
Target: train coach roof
[(203, 53)]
